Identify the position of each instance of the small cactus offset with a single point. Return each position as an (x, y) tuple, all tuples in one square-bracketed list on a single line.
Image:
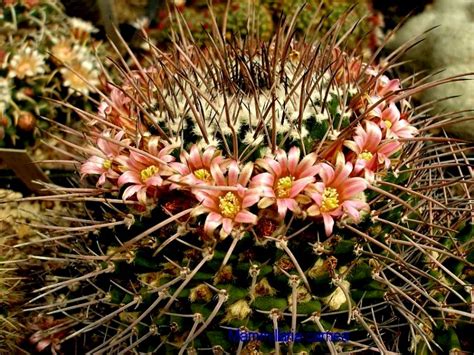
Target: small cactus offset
[(250, 197)]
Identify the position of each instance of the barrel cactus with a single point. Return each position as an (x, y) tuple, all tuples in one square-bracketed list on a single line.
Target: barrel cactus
[(254, 197)]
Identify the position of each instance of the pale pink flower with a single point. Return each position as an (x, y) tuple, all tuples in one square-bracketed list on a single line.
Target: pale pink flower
[(335, 195), (101, 163), (145, 174), (393, 125), (370, 151), (228, 208), (385, 85), (118, 109), (195, 166), (285, 179)]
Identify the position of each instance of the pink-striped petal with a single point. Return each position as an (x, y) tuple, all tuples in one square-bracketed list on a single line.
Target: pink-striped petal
[(246, 217)]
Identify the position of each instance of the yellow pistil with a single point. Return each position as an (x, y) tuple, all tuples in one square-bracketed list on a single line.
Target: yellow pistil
[(366, 155), (388, 124), (203, 174), (330, 199), (284, 186), (147, 173), (229, 205), (107, 164)]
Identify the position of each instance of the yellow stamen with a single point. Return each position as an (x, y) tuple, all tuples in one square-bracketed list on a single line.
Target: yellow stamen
[(366, 155), (107, 164), (147, 173), (229, 205), (330, 199), (388, 124), (203, 174), (284, 186)]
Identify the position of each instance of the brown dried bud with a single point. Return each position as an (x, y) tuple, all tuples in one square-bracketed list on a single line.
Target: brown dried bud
[(224, 275), (200, 293), (26, 121)]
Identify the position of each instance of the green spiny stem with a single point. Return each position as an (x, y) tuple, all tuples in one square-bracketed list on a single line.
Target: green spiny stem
[(153, 331), (282, 243), (375, 337), (188, 276), (55, 287), (254, 271), (100, 321), (316, 318), (153, 229), (120, 336), (418, 272), (275, 314), (336, 280), (294, 282), (167, 242), (223, 296), (198, 319), (235, 240)]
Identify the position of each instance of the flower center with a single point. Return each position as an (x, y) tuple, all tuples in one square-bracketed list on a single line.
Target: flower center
[(229, 205), (147, 173), (107, 164), (284, 186), (366, 155), (330, 199), (388, 124), (203, 174)]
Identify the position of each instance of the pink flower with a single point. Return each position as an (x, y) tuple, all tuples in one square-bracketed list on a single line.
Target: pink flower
[(370, 151), (228, 208), (285, 179), (334, 196), (195, 166), (384, 85), (102, 162), (144, 173), (393, 125)]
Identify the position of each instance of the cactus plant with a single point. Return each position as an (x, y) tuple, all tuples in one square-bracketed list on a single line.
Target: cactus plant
[(250, 188), (43, 56), (243, 16)]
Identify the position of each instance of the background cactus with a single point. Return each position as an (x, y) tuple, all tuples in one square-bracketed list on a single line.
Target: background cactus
[(190, 240), (43, 56)]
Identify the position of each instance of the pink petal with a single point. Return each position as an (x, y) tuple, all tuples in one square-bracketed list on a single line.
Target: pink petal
[(265, 179), (328, 224), (306, 167), (251, 198), (246, 217), (245, 174), (352, 187), (217, 174), (213, 221), (129, 177), (195, 157), (207, 156), (227, 225), (130, 191), (299, 185), (266, 202), (141, 196), (293, 159), (154, 181), (341, 174), (282, 208), (275, 167), (326, 173)]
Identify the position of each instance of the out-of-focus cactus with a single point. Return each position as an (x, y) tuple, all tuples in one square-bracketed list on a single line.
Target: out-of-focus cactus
[(43, 55), (259, 188), (265, 15)]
